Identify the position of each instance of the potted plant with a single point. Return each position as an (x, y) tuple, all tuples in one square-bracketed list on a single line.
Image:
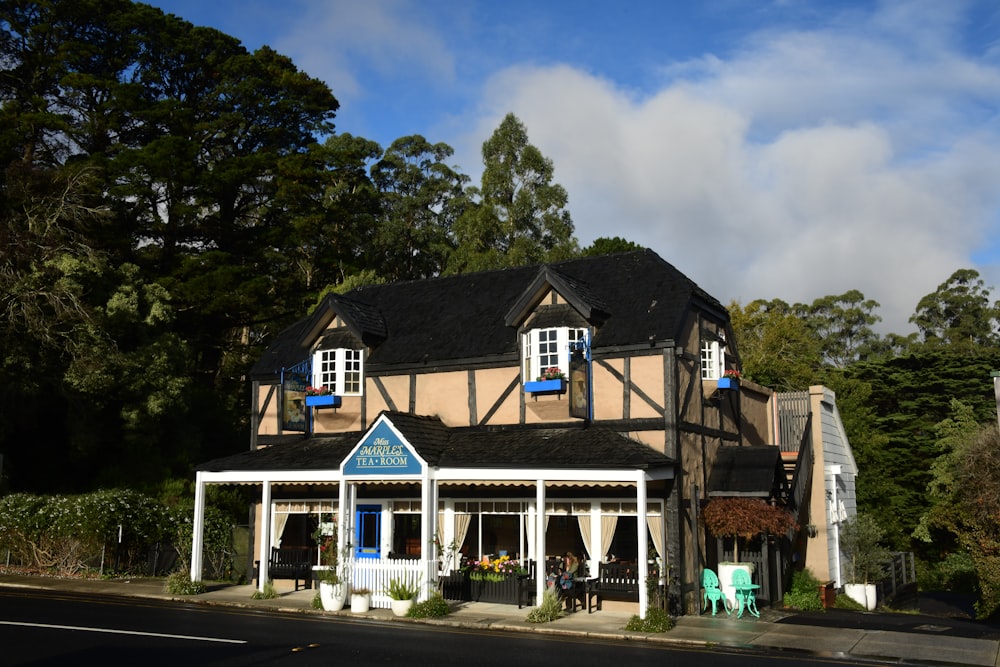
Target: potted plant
[(552, 379), (865, 559), (361, 600), (744, 518), (402, 593), (321, 397), (332, 586), (730, 379)]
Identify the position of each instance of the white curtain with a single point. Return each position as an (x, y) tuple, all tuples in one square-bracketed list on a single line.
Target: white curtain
[(280, 519), (655, 524), (462, 522), (608, 524), (585, 532)]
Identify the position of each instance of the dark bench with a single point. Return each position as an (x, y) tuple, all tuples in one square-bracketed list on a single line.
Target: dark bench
[(614, 581), (290, 563)]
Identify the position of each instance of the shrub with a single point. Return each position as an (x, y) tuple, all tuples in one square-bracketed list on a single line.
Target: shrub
[(804, 593), (267, 594), (549, 610), (845, 602), (179, 583), (657, 620), (432, 607), (403, 589)]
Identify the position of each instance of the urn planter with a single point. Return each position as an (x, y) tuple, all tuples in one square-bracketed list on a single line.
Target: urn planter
[(361, 602), (333, 596)]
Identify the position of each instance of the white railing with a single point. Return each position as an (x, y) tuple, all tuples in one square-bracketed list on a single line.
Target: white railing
[(375, 575)]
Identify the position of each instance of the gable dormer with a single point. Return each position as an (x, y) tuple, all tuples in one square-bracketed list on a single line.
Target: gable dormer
[(554, 312), (339, 349)]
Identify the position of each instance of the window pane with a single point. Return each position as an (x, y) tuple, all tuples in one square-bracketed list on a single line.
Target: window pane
[(352, 371)]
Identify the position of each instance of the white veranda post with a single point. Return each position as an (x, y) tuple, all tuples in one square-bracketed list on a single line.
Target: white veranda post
[(265, 534), (198, 528), (640, 495), (539, 540)]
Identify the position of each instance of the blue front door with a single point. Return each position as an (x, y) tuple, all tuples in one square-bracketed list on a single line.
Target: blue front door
[(368, 531)]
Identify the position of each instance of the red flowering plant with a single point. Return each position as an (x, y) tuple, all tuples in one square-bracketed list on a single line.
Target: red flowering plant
[(318, 391), (732, 374), (552, 373)]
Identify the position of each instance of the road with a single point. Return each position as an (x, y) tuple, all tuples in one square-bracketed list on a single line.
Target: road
[(48, 628)]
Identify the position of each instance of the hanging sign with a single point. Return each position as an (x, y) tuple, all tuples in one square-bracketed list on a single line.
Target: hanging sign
[(579, 384), (293, 401)]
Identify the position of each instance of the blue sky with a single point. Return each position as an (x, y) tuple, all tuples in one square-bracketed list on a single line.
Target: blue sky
[(787, 149)]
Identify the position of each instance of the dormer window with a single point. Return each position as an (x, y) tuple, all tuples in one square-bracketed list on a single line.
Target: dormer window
[(547, 348), (340, 369)]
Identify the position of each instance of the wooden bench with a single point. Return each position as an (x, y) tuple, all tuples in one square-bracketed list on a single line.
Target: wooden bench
[(290, 563), (614, 581)]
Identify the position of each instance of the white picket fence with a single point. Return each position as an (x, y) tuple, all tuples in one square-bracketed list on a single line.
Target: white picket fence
[(375, 575)]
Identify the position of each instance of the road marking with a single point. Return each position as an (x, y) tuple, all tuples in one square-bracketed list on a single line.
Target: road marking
[(122, 632)]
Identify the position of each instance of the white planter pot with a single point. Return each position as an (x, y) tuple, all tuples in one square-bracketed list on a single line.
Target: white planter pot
[(865, 595), (400, 607), (333, 596), (360, 603), (726, 579)]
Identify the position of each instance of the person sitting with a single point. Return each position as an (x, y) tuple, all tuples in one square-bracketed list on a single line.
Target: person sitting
[(563, 578)]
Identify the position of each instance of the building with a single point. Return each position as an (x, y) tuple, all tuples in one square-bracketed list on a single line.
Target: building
[(525, 412)]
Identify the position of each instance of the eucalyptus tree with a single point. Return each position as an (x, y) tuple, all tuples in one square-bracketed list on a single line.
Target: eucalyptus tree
[(959, 314), (520, 216), (777, 348), (844, 324), (421, 196)]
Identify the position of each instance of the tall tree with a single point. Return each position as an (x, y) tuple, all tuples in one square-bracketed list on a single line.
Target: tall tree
[(959, 314), (421, 197), (843, 324), (521, 215), (965, 490), (186, 141), (777, 349), (609, 246)]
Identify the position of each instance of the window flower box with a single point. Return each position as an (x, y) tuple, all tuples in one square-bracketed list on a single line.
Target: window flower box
[(729, 383), (323, 401), (556, 386)]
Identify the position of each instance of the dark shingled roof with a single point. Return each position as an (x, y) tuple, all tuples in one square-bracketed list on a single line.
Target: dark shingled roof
[(631, 297), (748, 471), (441, 446), (317, 453)]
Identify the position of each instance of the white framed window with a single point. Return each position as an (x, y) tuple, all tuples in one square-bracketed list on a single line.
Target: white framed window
[(340, 369), (547, 348), (711, 360)]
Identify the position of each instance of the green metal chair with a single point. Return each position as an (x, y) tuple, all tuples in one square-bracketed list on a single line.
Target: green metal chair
[(710, 582), (746, 599)]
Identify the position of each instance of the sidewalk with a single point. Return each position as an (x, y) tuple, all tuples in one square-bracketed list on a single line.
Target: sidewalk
[(928, 644)]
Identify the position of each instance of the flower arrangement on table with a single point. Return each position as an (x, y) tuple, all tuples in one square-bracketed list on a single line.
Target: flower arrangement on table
[(318, 391), (551, 373), (732, 374), (498, 569)]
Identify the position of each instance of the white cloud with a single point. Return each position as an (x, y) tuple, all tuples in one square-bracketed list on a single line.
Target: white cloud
[(808, 165), (342, 41)]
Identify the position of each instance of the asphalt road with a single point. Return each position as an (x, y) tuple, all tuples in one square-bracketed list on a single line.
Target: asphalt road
[(53, 628)]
